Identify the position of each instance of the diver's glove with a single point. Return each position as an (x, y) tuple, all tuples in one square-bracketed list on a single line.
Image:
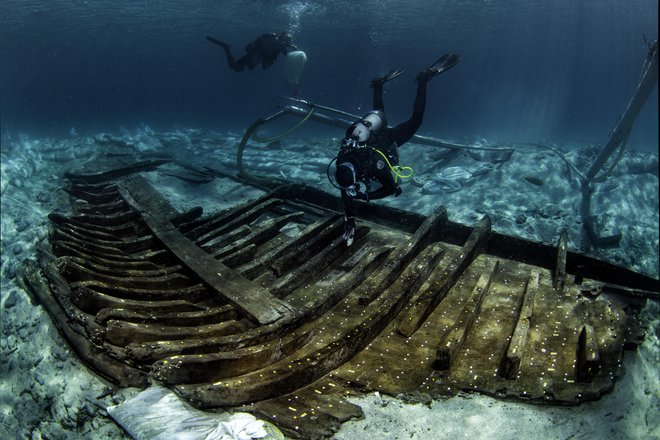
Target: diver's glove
[(397, 191), (349, 231)]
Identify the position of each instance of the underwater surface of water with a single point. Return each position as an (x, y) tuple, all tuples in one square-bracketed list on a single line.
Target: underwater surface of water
[(560, 71)]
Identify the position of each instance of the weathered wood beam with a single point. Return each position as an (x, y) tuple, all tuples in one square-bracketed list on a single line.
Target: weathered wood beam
[(516, 350), (454, 339), (252, 299), (401, 257), (443, 279)]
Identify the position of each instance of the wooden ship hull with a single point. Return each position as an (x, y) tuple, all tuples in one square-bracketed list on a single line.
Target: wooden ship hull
[(262, 308)]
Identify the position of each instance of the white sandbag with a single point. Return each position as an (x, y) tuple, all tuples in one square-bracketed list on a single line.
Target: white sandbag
[(295, 64), (158, 414)]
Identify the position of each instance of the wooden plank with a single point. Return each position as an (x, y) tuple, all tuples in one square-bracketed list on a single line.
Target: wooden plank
[(311, 413), (188, 368), (453, 341), (146, 165), (338, 342), (442, 280), (559, 278), (514, 354), (252, 269), (74, 329), (253, 300), (243, 219), (306, 310), (397, 261), (204, 226), (588, 355)]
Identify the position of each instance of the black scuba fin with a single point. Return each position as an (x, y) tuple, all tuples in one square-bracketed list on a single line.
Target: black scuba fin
[(444, 63), (389, 76)]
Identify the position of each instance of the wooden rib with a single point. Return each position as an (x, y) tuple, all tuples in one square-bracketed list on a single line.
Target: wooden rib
[(223, 221), (115, 265), (312, 267), (90, 246), (73, 272), (126, 270), (328, 297), (197, 228), (101, 304), (559, 278), (443, 280), (185, 318), (588, 355), (97, 198), (241, 256), (105, 220), (117, 372), (399, 259), (93, 188), (187, 216), (454, 339), (127, 229), (258, 236), (245, 218), (92, 296), (116, 205), (253, 300), (252, 269), (517, 344), (146, 259), (316, 360), (121, 333), (287, 262), (228, 238), (86, 232), (215, 366), (133, 246)]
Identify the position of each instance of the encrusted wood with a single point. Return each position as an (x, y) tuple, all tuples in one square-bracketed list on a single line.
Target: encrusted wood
[(230, 311)]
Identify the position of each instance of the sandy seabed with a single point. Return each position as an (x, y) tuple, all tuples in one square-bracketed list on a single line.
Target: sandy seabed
[(46, 392)]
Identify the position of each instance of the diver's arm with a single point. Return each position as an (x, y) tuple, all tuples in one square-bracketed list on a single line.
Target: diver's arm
[(349, 210), (385, 191), (387, 188), (349, 225)]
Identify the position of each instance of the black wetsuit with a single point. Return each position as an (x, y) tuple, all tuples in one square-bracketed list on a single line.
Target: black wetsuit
[(264, 50), (369, 164)]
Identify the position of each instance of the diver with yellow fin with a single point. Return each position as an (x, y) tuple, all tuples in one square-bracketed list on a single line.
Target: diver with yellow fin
[(369, 150)]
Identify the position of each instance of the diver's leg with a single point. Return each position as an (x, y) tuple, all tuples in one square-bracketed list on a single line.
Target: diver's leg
[(234, 65), (252, 60), (378, 103), (444, 63), (404, 131), (377, 85)]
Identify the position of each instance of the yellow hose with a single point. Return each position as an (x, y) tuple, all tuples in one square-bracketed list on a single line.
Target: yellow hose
[(396, 170)]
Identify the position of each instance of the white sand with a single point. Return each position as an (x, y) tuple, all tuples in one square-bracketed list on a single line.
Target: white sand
[(46, 392)]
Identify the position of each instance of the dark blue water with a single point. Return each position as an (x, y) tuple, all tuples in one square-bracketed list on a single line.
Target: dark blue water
[(559, 71)]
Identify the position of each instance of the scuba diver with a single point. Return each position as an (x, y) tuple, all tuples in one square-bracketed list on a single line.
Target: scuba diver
[(263, 50), (369, 150)]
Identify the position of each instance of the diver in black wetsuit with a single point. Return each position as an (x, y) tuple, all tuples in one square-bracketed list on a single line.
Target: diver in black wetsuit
[(264, 50), (369, 150)]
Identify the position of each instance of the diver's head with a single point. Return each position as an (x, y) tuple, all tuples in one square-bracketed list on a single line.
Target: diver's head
[(285, 37), (370, 123), (345, 175)]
